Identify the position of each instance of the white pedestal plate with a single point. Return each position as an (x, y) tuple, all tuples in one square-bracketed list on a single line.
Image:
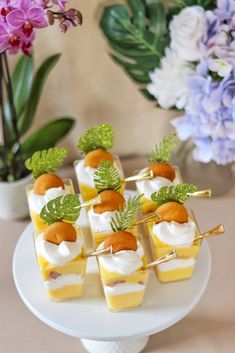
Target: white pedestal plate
[(88, 318)]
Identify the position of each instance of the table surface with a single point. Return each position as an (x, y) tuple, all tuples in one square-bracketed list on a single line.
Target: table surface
[(210, 327)]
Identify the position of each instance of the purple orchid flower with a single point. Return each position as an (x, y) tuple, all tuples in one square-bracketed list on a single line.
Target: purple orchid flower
[(26, 17)]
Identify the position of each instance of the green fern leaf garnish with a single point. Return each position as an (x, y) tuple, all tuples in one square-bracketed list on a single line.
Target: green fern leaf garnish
[(107, 176), (46, 161), (124, 219), (162, 152), (63, 208), (179, 193), (100, 136)]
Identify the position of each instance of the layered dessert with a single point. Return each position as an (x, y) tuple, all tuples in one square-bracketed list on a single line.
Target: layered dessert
[(94, 144), (122, 274), (174, 228), (47, 185), (108, 184), (122, 271), (60, 249), (164, 174)]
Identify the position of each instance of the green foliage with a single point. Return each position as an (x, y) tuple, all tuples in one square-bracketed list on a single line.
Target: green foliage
[(162, 152), (63, 208), (46, 161), (100, 136), (179, 193), (137, 31), (27, 88), (107, 176), (124, 219)]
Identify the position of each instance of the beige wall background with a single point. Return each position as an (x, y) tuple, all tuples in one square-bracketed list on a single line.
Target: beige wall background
[(89, 86)]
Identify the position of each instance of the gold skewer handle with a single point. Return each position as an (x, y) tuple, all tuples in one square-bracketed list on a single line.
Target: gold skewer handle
[(100, 252), (215, 231), (94, 201), (145, 176), (154, 217), (170, 256), (201, 193)]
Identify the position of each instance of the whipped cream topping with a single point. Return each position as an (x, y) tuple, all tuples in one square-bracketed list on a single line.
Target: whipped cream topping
[(63, 280), (37, 202), (147, 187), (176, 264), (175, 234), (100, 222), (124, 262), (60, 254), (85, 174), (123, 288)]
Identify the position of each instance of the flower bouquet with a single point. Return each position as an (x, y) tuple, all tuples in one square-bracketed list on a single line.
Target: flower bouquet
[(182, 54)]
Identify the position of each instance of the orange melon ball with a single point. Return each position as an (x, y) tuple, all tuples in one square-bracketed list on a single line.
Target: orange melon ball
[(60, 231), (93, 158), (164, 170), (173, 211), (47, 181), (110, 201), (121, 240)]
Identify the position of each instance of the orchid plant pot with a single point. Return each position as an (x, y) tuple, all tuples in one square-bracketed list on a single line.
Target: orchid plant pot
[(13, 200)]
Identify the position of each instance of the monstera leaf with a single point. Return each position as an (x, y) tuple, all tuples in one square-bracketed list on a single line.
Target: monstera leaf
[(137, 32)]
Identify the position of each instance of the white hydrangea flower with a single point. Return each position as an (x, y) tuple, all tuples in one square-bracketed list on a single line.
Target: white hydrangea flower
[(169, 81), (186, 30), (221, 67)]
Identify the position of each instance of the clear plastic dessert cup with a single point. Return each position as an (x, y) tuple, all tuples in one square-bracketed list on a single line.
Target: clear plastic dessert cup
[(177, 269), (88, 191), (121, 291), (40, 201), (66, 280)]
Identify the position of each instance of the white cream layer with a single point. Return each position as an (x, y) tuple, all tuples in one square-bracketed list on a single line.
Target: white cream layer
[(37, 202), (147, 187), (100, 222), (124, 262), (176, 264), (85, 174), (175, 234), (123, 288), (58, 254), (63, 280)]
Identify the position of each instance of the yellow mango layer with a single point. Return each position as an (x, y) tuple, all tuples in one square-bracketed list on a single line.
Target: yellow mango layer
[(66, 292), (124, 301), (175, 275), (147, 206), (160, 249)]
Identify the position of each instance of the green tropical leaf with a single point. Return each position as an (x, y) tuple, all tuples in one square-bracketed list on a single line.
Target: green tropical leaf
[(179, 193), (28, 114), (162, 152), (47, 135), (46, 161), (63, 208), (123, 220), (100, 136), (107, 176), (136, 32)]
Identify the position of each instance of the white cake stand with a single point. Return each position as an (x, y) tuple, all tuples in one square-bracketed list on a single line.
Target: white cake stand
[(88, 318)]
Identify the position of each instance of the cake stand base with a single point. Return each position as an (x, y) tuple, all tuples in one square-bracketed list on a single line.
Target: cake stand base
[(130, 346)]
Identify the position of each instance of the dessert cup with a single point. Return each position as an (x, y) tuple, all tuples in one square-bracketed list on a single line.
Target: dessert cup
[(123, 291), (86, 179), (36, 203), (177, 269), (62, 280), (147, 187)]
